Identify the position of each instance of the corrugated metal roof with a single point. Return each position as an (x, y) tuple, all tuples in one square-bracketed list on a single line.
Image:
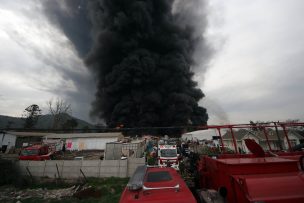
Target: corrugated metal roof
[(83, 135), (28, 134)]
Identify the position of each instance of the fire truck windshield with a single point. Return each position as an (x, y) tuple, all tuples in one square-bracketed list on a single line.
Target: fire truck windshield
[(168, 153), (29, 152)]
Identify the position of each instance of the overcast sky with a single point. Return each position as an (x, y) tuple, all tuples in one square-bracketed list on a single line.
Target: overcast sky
[(256, 73), (38, 63)]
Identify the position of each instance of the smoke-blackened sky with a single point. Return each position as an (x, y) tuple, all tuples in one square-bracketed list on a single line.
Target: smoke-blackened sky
[(142, 56), (256, 73)]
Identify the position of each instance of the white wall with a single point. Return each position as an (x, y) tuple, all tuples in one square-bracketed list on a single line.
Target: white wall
[(88, 143), (71, 168), (7, 139), (244, 147), (292, 139)]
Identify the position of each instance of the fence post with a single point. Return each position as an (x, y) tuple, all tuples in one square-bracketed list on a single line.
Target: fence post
[(118, 168), (29, 172), (85, 178), (81, 166), (43, 174), (127, 171), (99, 168), (58, 171)]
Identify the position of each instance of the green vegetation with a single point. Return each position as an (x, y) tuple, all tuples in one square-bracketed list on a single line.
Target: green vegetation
[(8, 172), (213, 151), (111, 188)]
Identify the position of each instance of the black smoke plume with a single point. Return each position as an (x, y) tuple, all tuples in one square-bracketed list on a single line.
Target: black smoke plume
[(71, 16), (142, 56)]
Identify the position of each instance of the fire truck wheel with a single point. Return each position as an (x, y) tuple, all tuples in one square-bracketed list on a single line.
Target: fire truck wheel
[(223, 191)]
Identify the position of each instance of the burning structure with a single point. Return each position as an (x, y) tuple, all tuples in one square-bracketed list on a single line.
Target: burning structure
[(142, 54)]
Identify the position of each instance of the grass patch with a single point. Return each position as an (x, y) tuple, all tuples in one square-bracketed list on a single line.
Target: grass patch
[(8, 172), (111, 188), (67, 200)]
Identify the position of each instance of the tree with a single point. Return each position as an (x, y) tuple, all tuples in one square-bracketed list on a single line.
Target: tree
[(9, 124), (294, 124), (86, 129), (58, 109), (254, 126), (31, 115), (258, 125), (70, 124)]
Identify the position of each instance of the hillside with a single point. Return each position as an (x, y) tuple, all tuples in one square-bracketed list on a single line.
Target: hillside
[(44, 122)]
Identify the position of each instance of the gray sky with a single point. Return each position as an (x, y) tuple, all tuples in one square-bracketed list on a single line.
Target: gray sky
[(256, 74), (38, 63)]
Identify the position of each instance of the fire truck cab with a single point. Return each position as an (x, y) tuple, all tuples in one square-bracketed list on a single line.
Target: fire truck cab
[(168, 156), (35, 152), (161, 185)]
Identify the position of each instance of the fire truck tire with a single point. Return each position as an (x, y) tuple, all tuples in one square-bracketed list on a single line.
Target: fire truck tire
[(208, 196), (199, 196), (223, 191)]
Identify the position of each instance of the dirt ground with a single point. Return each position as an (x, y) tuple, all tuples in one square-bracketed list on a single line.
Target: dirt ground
[(94, 190), (87, 155)]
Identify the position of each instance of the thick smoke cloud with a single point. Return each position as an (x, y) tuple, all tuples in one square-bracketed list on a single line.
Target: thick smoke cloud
[(142, 56), (71, 17)]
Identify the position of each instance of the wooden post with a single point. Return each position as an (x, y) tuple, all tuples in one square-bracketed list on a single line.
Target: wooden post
[(58, 171), (28, 170), (85, 178)]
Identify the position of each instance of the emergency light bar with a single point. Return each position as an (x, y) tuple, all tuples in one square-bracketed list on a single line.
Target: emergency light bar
[(136, 181)]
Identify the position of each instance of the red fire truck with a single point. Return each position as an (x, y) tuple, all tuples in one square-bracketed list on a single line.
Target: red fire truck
[(256, 177), (161, 185), (35, 152)]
